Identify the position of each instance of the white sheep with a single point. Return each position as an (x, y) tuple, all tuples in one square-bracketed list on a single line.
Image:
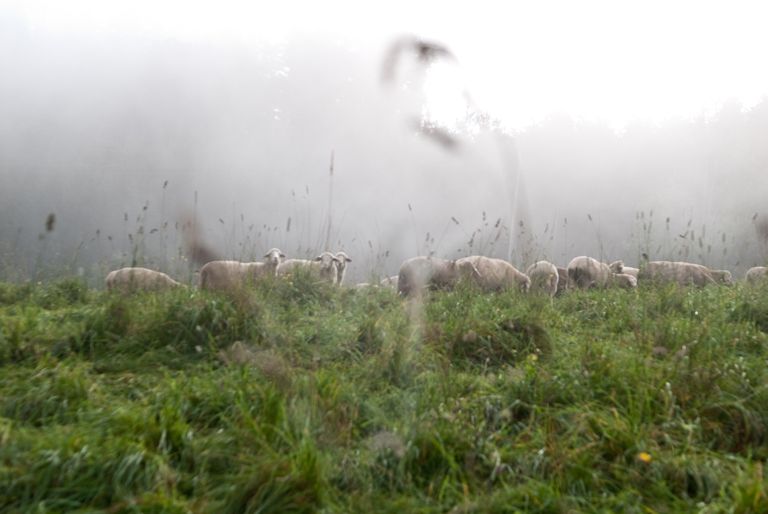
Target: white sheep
[(324, 267), (232, 275), (419, 273), (390, 282), (386, 282), (681, 273), (756, 275), (544, 278), (623, 280), (618, 268), (585, 272), (493, 274), (139, 279), (628, 270), (341, 266), (722, 276)]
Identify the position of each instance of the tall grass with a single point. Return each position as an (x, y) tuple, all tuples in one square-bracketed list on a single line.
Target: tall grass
[(150, 236), (294, 397)]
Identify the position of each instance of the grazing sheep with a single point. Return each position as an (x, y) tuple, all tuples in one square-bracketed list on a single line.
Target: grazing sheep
[(623, 280), (419, 273), (386, 282), (390, 282), (756, 275), (139, 279), (343, 259), (544, 277), (630, 271), (324, 266), (722, 276), (681, 273), (586, 272), (229, 275), (562, 280), (493, 274)]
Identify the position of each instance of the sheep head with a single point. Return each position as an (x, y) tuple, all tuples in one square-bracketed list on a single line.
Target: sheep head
[(329, 266), (616, 266), (274, 256)]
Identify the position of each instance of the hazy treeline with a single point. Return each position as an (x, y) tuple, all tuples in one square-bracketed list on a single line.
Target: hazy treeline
[(130, 142)]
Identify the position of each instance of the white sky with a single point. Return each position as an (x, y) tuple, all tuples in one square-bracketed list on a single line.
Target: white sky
[(615, 61)]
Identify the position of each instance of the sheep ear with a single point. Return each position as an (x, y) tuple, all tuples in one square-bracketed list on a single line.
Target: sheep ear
[(317, 259), (347, 259), (282, 255)]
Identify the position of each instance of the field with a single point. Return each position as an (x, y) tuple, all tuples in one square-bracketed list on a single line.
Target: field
[(296, 398)]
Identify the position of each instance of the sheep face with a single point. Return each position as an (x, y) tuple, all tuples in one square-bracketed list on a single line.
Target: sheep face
[(327, 260), (274, 256), (616, 267), (343, 259), (328, 266)]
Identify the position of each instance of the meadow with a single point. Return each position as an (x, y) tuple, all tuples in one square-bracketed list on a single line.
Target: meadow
[(295, 397)]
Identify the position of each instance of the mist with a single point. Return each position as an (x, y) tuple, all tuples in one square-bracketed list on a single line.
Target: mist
[(134, 141)]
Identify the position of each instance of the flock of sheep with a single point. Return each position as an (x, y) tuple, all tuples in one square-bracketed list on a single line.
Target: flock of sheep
[(421, 273), (229, 275)]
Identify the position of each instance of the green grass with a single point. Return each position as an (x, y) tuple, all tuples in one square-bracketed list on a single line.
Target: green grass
[(295, 397)]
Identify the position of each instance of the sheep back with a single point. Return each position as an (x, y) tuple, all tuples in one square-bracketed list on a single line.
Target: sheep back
[(419, 273), (585, 272), (135, 279), (681, 273), (493, 274), (756, 275), (544, 277)]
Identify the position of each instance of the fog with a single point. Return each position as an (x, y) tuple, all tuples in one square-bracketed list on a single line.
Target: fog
[(138, 143)]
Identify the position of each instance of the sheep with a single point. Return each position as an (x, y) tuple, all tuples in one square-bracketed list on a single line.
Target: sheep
[(544, 277), (756, 275), (134, 279), (623, 280), (618, 268), (681, 273), (493, 274), (631, 271), (229, 275), (722, 276), (390, 282), (343, 259), (419, 273), (324, 267), (586, 272), (386, 283)]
